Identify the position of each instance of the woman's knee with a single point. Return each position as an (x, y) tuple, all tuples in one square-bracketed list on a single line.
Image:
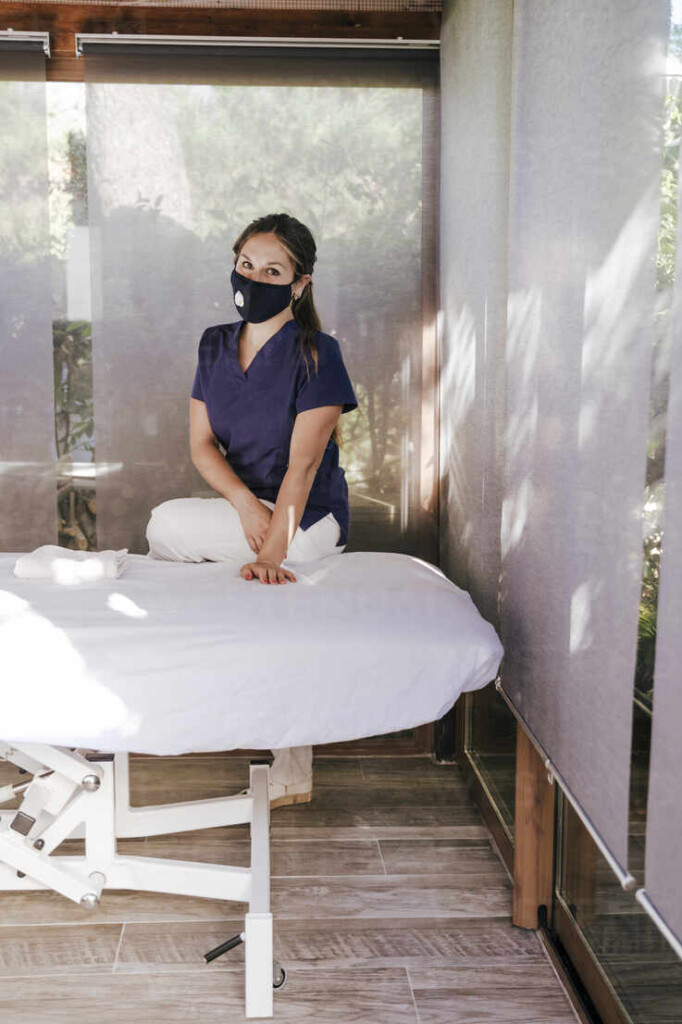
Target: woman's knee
[(167, 526), (196, 530), (318, 541), (167, 515)]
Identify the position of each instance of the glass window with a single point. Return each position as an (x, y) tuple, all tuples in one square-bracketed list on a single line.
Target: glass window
[(491, 747)]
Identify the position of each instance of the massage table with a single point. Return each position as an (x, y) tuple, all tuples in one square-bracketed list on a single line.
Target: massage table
[(173, 658)]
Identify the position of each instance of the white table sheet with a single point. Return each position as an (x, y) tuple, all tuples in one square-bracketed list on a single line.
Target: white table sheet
[(173, 657)]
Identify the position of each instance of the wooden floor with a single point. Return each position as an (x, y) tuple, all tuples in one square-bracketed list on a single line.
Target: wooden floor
[(391, 907)]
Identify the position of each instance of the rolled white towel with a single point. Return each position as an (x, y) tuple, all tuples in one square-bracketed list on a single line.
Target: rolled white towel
[(62, 565)]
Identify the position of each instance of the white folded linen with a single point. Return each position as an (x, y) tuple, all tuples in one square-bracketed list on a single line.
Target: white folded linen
[(63, 565)]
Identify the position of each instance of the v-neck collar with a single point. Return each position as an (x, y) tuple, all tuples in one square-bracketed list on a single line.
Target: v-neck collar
[(264, 352)]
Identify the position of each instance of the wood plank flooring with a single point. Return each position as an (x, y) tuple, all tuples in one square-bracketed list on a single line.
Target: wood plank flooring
[(391, 907)]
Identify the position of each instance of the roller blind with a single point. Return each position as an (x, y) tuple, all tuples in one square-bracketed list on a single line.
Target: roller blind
[(663, 886), (186, 145), (28, 492), (587, 110), (475, 126)]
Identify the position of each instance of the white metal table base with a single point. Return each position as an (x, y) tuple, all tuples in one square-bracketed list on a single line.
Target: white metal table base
[(75, 797)]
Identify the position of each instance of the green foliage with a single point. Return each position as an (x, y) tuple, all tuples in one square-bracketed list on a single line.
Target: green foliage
[(77, 184), (665, 277), (675, 44), (74, 421), (74, 429), (646, 646), (665, 258)]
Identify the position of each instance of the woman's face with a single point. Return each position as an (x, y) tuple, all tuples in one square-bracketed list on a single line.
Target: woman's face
[(264, 258)]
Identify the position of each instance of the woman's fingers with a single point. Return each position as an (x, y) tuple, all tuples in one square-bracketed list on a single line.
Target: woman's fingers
[(284, 576), (267, 574), (277, 576)]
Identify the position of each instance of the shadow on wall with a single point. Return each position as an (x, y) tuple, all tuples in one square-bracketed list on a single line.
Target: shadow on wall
[(470, 485), (535, 484)]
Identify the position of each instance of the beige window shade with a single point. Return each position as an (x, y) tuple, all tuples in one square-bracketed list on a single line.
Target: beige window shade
[(28, 490), (664, 810), (186, 145), (545, 402), (588, 104), (474, 189)]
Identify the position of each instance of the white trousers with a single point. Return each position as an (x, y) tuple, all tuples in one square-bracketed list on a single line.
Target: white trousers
[(210, 530)]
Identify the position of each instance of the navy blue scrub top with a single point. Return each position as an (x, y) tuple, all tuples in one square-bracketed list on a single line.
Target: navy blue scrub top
[(252, 414)]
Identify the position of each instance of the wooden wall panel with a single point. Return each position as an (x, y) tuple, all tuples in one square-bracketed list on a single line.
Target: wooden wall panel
[(533, 834)]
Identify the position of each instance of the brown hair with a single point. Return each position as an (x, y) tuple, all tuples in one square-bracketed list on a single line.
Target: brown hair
[(297, 238)]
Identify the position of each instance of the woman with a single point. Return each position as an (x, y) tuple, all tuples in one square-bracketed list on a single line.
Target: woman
[(268, 393)]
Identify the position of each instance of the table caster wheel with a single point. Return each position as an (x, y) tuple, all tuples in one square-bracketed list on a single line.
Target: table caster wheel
[(279, 975)]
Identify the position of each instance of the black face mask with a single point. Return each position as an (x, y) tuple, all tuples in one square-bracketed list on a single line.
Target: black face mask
[(257, 301)]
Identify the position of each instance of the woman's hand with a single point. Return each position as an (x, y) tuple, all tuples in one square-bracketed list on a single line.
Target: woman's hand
[(266, 572), (255, 519)]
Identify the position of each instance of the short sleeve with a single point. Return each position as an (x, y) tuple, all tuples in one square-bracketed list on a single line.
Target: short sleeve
[(197, 390), (331, 384), (196, 387)]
